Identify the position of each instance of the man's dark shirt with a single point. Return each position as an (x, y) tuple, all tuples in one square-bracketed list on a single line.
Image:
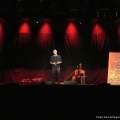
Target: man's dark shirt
[(55, 59)]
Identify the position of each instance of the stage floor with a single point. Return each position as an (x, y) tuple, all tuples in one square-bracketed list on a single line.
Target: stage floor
[(56, 83), (62, 83), (46, 83)]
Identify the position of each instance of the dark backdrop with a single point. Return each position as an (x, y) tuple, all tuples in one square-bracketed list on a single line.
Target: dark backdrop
[(23, 57)]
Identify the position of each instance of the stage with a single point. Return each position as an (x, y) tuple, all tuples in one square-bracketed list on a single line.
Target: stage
[(84, 32)]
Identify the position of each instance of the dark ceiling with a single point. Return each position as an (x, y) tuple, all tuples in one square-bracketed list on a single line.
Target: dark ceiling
[(47, 8)]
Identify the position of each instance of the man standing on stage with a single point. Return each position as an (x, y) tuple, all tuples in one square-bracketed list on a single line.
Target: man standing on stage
[(55, 60)]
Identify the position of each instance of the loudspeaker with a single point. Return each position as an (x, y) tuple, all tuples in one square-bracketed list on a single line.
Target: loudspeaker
[(36, 83), (48, 82), (70, 83), (12, 84), (103, 84)]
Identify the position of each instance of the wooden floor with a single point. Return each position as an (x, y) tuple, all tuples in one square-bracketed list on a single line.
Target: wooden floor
[(62, 83)]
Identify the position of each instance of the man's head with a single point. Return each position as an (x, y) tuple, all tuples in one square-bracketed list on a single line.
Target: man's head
[(55, 52)]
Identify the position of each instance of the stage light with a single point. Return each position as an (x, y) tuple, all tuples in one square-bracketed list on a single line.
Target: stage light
[(116, 13), (44, 38), (36, 21), (80, 22), (98, 14), (104, 14)]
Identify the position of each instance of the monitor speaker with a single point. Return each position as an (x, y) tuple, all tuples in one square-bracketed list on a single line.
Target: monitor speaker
[(12, 84), (48, 82), (70, 83)]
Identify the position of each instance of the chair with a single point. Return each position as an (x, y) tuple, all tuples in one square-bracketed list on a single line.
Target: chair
[(82, 76), (79, 75)]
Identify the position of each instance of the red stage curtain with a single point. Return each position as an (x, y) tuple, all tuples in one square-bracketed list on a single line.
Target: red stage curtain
[(72, 38), (99, 37), (72, 41), (1, 37), (22, 40), (23, 36), (45, 37), (118, 34), (98, 75), (45, 41)]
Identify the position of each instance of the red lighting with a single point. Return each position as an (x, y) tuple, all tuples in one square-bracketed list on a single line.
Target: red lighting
[(119, 30), (72, 37), (98, 36), (45, 29), (1, 36), (45, 36), (71, 28), (118, 33), (1, 32), (117, 26), (24, 35), (24, 28)]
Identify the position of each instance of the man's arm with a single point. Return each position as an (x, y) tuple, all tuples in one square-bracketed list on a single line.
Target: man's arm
[(59, 61), (53, 63)]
